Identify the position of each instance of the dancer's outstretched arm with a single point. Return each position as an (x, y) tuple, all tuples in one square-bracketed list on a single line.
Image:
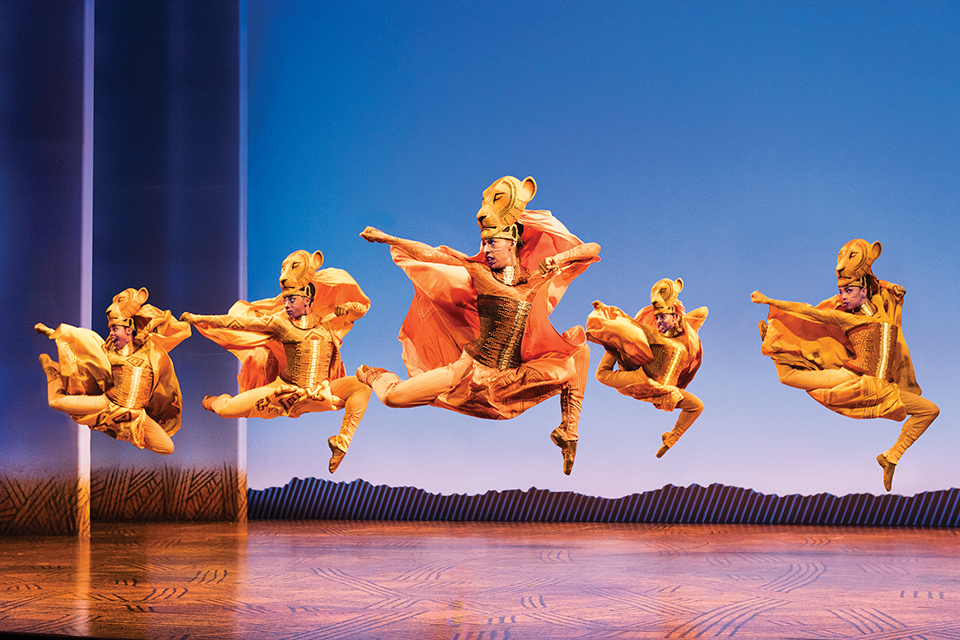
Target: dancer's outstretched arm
[(579, 253), (840, 319), (354, 310), (419, 250), (260, 325)]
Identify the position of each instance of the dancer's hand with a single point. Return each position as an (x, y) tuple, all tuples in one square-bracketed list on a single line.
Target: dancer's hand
[(371, 234), (549, 264), (759, 298), (43, 329)]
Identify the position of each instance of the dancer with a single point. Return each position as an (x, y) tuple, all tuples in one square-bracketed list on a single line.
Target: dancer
[(125, 387), (290, 349), (658, 353), (848, 352), (504, 295)]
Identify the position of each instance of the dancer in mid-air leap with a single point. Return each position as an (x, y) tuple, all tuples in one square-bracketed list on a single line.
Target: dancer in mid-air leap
[(848, 352), (504, 294), (657, 353)]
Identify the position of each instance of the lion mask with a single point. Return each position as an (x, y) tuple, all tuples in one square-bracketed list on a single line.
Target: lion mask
[(664, 294), (503, 203), (855, 260), (298, 269)]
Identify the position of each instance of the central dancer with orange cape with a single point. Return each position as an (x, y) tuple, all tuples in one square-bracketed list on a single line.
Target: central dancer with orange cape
[(478, 339)]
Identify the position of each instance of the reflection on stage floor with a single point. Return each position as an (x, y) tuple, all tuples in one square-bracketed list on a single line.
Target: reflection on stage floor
[(482, 581)]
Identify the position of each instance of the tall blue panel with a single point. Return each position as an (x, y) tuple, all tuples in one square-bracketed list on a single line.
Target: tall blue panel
[(43, 482), (167, 217)]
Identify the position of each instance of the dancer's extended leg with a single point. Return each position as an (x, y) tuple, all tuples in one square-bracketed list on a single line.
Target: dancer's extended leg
[(691, 407), (238, 406), (416, 391), (922, 413), (357, 395), (567, 434), (810, 379)]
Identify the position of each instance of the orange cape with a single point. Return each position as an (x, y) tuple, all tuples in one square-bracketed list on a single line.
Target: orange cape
[(630, 338), (443, 317), (807, 344)]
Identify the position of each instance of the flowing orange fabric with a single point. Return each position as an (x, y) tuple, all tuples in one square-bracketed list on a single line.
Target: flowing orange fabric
[(807, 344), (85, 370), (262, 357), (630, 338), (443, 319)]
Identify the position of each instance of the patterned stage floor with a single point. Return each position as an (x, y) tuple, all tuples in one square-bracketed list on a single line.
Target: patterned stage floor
[(483, 581)]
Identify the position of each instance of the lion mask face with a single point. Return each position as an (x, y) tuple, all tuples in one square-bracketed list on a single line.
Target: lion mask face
[(664, 294), (856, 258), (125, 305), (298, 268), (503, 203)]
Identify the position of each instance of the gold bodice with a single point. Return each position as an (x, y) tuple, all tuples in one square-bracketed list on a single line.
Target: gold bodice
[(502, 323), (132, 378), (309, 361), (874, 347), (669, 359)]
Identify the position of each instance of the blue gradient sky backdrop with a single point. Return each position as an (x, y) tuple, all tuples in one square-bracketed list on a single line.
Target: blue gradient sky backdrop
[(737, 145)]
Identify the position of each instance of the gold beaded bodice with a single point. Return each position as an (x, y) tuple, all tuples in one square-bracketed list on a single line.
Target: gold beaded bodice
[(310, 349), (669, 359), (874, 347), (132, 376), (502, 323)]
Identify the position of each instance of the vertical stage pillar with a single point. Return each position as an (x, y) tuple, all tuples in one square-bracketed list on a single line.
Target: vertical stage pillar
[(44, 260), (168, 217)]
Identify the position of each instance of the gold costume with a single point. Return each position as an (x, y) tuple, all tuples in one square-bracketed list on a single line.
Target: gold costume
[(644, 363), (478, 338), (132, 393), (311, 358), (291, 366), (854, 362)]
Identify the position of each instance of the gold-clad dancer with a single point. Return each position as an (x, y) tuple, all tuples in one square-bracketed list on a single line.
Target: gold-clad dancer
[(478, 339), (125, 386), (656, 353), (848, 352), (290, 349)]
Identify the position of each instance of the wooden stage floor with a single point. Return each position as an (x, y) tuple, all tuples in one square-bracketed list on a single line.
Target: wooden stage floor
[(483, 581)]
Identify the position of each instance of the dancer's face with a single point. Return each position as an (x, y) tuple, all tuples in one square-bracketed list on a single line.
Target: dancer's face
[(121, 336), (666, 322), (852, 297), (297, 306), (499, 253)]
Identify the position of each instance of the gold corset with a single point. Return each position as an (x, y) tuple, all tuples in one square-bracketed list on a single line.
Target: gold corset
[(132, 385), (502, 322), (308, 362), (874, 346), (668, 361)]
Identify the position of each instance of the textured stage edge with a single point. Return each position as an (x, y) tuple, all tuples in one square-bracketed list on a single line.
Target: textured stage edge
[(313, 499), (168, 493)]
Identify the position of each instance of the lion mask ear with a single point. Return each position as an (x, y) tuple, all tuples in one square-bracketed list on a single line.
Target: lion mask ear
[(528, 189), (678, 285), (875, 249), (316, 260)]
